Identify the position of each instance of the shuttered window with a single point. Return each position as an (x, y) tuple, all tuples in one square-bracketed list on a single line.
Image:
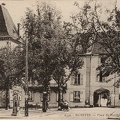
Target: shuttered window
[(76, 96), (99, 77), (81, 79), (71, 96), (77, 79)]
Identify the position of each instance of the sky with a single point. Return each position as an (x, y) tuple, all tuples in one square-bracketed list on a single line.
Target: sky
[(17, 8)]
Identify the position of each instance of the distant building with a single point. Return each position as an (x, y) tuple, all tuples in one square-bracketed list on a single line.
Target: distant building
[(89, 86), (8, 39)]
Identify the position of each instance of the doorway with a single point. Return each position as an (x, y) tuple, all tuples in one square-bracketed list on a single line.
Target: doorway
[(101, 97)]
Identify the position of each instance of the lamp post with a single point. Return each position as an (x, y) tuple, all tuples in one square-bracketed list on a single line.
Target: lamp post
[(26, 78)]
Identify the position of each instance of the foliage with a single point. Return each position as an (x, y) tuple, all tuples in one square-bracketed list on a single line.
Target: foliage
[(104, 32), (11, 68), (49, 49), (11, 65)]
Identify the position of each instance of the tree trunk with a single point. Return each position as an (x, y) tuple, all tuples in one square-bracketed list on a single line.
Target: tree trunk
[(45, 97), (60, 96), (7, 94), (7, 97), (44, 106)]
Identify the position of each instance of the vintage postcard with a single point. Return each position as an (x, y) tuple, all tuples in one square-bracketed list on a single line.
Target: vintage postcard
[(60, 59)]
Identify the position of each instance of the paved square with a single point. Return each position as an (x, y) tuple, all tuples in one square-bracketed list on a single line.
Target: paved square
[(73, 113)]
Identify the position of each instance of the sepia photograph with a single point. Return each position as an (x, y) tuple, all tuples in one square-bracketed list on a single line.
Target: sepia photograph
[(60, 59)]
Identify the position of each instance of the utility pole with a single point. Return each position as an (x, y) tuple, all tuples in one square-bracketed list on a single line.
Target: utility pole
[(114, 87), (7, 83), (26, 80)]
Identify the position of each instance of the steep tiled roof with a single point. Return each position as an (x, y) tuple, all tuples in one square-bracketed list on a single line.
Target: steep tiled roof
[(7, 27)]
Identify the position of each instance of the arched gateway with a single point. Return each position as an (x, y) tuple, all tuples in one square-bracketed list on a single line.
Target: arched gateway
[(101, 97)]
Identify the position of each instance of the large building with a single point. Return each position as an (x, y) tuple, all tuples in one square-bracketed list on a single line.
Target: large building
[(89, 86)]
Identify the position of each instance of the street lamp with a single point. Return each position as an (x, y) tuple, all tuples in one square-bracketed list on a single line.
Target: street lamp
[(26, 80)]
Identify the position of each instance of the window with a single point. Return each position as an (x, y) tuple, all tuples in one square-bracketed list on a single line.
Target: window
[(100, 78), (76, 96), (77, 79), (57, 95), (30, 96)]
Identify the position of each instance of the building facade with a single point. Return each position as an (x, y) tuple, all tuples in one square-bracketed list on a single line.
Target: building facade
[(86, 87)]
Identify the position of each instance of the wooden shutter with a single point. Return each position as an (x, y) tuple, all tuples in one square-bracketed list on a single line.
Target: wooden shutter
[(97, 75), (71, 96), (81, 96), (81, 79), (41, 97), (56, 97), (11, 94), (72, 79)]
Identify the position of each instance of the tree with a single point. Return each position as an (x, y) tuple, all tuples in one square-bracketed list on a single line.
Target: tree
[(50, 51), (104, 32), (10, 69), (42, 29)]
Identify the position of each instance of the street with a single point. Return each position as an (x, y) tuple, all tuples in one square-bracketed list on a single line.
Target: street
[(73, 113)]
